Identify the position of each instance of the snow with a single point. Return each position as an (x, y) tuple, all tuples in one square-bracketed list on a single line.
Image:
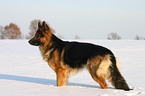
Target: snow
[(24, 73)]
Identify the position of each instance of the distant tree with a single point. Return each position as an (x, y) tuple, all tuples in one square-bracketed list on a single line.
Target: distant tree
[(2, 32), (113, 36), (77, 37), (12, 31), (33, 28), (139, 38)]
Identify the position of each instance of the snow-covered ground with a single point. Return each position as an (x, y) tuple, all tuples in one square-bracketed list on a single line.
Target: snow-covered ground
[(24, 73)]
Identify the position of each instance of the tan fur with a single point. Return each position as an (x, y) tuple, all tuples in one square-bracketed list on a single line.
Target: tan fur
[(57, 65), (61, 76), (99, 69), (117, 64), (103, 69), (98, 79)]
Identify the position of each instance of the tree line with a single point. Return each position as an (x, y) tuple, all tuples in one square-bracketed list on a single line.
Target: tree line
[(12, 31)]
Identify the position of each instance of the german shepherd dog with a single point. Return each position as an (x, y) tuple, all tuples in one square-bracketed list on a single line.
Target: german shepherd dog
[(66, 57)]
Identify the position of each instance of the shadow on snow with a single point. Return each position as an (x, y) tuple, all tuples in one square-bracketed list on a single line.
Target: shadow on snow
[(40, 80)]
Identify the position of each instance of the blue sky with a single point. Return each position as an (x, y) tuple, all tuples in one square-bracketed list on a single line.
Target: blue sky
[(90, 19)]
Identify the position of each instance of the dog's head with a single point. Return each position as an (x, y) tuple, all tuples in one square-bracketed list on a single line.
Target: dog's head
[(42, 35)]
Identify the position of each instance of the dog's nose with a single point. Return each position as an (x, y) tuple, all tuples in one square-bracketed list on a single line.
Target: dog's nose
[(29, 41)]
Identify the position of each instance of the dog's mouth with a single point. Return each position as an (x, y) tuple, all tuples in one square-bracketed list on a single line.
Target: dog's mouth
[(36, 43)]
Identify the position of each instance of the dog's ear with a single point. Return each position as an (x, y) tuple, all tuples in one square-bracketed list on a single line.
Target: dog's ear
[(39, 25), (45, 25)]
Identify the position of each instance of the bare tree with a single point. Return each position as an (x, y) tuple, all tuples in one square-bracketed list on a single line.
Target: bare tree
[(33, 28), (139, 38), (12, 31), (113, 36), (77, 37), (2, 32)]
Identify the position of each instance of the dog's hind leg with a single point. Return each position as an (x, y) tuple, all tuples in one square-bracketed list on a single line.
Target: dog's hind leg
[(93, 66), (99, 79), (62, 76)]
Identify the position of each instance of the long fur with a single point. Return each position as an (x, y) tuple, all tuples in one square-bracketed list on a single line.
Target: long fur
[(67, 57)]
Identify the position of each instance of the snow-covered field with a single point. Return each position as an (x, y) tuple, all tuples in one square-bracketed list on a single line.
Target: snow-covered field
[(24, 73)]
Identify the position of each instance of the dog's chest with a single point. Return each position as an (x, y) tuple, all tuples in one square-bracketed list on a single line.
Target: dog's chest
[(46, 54)]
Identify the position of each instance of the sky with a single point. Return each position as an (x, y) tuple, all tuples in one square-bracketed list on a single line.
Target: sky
[(89, 19)]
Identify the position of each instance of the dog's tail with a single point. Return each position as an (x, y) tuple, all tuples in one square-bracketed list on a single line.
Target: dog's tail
[(115, 77)]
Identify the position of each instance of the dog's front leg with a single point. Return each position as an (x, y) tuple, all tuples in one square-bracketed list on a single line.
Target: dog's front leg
[(62, 76)]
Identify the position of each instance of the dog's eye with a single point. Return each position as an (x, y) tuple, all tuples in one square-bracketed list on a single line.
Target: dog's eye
[(40, 35)]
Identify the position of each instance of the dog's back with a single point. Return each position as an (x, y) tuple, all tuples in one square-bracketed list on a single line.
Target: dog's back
[(77, 54)]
